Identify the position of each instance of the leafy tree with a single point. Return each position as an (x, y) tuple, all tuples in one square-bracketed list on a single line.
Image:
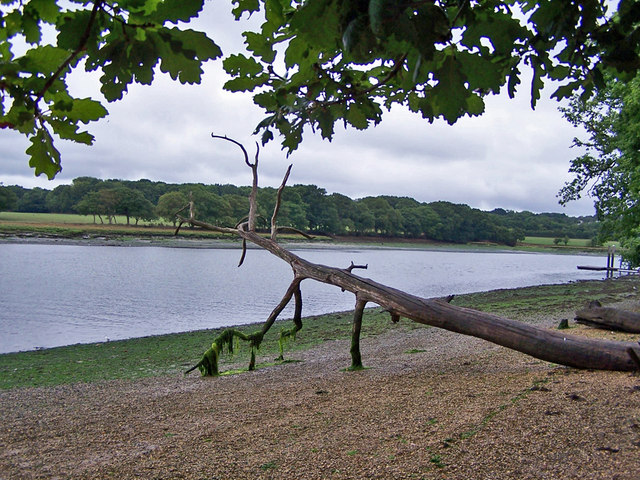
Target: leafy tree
[(209, 206), (8, 199), (60, 200), (132, 203), (109, 200), (321, 213), (90, 205), (239, 205), (169, 204), (126, 40), (364, 220), (34, 200), (152, 191), (80, 186), (608, 171), (347, 212), (439, 58), (293, 214)]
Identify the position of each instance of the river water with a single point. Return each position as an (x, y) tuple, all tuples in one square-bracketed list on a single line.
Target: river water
[(52, 295)]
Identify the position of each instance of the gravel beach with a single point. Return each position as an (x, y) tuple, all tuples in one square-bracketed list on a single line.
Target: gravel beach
[(431, 405)]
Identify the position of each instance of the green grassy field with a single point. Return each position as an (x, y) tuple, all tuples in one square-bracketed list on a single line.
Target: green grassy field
[(57, 218), (549, 241)]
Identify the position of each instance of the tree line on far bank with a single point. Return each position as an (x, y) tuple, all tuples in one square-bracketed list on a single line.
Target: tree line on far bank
[(304, 207)]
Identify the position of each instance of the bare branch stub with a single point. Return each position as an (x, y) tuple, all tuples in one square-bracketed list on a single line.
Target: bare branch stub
[(244, 252), (253, 206), (354, 266), (244, 150), (276, 208)]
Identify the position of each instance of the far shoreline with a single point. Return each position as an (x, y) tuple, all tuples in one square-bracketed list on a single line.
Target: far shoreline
[(119, 238)]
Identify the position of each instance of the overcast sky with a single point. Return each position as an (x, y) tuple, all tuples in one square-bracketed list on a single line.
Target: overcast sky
[(511, 157)]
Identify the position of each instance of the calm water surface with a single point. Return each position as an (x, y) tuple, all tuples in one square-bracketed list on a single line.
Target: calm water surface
[(53, 295)]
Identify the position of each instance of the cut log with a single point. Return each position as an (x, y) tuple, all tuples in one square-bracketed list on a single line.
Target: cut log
[(610, 318)]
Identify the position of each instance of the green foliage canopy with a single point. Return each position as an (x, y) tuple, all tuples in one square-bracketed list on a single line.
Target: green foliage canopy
[(8, 199), (318, 62), (312, 63), (124, 39), (304, 207), (608, 170)]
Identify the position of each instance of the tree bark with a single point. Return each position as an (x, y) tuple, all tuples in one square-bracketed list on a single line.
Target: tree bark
[(610, 318)]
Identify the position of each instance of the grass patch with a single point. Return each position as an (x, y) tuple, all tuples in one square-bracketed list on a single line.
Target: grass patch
[(436, 460), (74, 226), (550, 241), (61, 218), (549, 299)]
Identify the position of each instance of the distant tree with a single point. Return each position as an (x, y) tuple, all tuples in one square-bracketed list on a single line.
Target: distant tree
[(34, 200), (387, 221), (152, 191), (346, 210), (80, 186), (8, 199), (294, 215), (108, 201), (239, 204), (412, 225), (60, 199), (90, 205), (364, 219), (132, 203), (450, 221), (169, 204)]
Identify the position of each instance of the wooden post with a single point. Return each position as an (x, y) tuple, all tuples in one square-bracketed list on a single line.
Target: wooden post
[(611, 255)]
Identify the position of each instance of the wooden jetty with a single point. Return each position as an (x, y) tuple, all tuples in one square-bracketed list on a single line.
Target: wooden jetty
[(610, 269)]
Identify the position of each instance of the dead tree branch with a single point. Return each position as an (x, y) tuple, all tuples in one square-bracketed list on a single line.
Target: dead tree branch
[(550, 345), (276, 208), (356, 358)]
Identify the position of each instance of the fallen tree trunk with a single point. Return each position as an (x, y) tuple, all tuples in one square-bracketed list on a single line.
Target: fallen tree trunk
[(550, 345), (596, 315), (542, 343)]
